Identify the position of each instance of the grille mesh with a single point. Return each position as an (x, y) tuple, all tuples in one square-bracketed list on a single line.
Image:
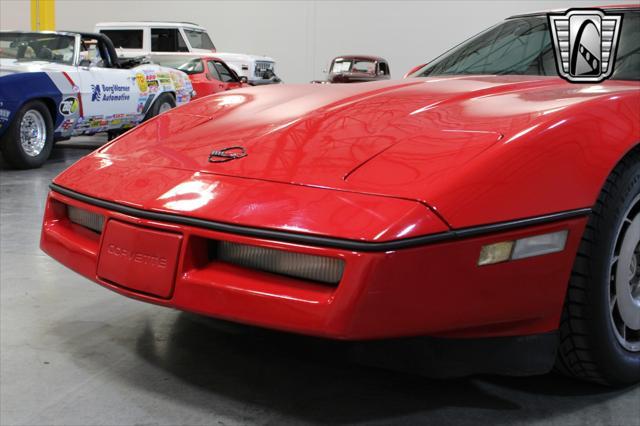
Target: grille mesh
[(299, 265), (261, 67), (85, 218)]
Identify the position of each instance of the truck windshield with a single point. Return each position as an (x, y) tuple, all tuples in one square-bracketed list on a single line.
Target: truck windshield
[(353, 65), (523, 46), (199, 39), (30, 47)]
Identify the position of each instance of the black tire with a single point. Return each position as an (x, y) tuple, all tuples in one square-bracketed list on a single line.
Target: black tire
[(12, 148), (112, 134), (156, 108), (590, 347)]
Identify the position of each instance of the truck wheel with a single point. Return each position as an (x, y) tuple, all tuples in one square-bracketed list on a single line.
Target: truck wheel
[(164, 103), (600, 327), (28, 141)]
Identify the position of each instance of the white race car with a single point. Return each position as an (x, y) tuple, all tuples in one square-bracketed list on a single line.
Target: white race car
[(54, 85)]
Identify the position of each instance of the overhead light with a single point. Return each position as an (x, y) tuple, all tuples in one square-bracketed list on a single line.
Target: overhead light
[(523, 248)]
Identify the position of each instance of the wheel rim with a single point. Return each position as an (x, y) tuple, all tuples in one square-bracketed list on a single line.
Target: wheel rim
[(164, 107), (33, 133), (624, 288)]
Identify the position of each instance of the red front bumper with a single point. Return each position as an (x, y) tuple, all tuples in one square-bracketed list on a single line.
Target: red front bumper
[(435, 290)]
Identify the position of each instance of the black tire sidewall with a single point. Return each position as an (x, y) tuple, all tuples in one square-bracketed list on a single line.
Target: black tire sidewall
[(162, 99), (11, 146), (620, 365)]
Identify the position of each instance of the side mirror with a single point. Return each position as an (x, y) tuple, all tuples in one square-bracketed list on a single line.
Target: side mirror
[(244, 79), (414, 69)]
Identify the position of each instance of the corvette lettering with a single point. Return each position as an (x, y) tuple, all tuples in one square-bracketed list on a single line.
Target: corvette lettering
[(137, 257)]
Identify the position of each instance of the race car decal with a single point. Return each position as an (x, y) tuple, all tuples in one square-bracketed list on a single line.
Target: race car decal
[(109, 93), (67, 124), (88, 101), (69, 105), (148, 103), (4, 114), (75, 89), (141, 81)]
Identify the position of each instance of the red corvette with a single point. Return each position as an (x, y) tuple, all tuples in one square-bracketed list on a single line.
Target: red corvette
[(483, 202), (208, 74)]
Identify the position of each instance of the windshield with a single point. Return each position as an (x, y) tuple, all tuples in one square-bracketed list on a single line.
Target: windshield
[(523, 46), (187, 64), (125, 39), (199, 39), (28, 47), (353, 65)]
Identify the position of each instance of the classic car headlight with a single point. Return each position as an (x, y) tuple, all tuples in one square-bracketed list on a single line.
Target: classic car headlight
[(523, 248), (85, 218), (298, 265)]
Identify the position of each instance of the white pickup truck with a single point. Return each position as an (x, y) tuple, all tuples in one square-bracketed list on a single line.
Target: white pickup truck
[(139, 38)]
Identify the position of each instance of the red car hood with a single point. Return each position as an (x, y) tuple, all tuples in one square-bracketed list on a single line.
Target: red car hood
[(403, 139)]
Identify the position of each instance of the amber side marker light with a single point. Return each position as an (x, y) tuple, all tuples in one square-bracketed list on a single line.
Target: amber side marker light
[(523, 248)]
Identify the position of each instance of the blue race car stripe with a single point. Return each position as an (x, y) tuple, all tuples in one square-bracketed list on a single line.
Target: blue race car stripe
[(22, 87)]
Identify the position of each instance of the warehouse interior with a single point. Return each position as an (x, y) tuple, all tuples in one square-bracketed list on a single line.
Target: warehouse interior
[(73, 353)]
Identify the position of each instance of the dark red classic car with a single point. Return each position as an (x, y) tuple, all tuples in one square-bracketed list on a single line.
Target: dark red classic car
[(357, 69)]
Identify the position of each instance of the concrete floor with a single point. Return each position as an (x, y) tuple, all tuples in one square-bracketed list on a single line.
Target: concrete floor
[(73, 353)]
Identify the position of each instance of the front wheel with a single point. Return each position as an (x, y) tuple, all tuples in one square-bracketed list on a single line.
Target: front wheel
[(28, 141), (600, 328)]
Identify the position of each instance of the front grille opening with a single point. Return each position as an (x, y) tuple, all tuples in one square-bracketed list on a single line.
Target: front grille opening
[(262, 67), (320, 269), (85, 218)]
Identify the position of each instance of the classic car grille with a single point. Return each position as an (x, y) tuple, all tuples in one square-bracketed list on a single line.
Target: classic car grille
[(262, 66)]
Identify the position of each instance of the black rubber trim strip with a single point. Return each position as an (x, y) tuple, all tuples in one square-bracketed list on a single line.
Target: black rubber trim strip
[(340, 243)]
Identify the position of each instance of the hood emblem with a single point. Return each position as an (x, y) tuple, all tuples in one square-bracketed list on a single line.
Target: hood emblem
[(227, 154)]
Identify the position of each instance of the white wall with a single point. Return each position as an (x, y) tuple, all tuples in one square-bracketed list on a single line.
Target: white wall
[(15, 15), (304, 35)]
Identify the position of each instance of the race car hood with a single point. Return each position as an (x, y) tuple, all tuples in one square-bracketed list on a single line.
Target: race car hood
[(412, 139)]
